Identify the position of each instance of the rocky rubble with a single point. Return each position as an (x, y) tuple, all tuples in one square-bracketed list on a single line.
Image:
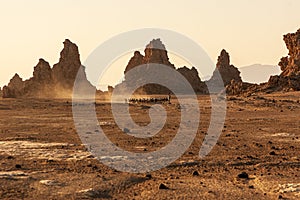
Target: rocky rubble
[(47, 82), (237, 87)]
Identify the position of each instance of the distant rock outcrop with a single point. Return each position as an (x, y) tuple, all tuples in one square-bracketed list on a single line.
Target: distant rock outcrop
[(231, 79), (65, 71), (50, 83), (156, 53), (193, 77), (289, 79), (237, 88), (15, 88), (290, 65), (40, 85), (227, 71)]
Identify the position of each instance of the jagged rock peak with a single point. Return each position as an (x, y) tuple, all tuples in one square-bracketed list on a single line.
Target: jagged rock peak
[(70, 50), (42, 71), (15, 81), (290, 65), (14, 88), (57, 82), (156, 44), (65, 71), (136, 60), (193, 77), (289, 79), (227, 71), (156, 52), (16, 77), (223, 59)]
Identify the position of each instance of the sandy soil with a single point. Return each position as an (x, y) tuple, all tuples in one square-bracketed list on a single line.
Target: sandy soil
[(42, 157)]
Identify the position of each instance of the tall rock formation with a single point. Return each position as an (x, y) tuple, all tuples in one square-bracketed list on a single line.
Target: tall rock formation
[(290, 65), (229, 74), (65, 71), (40, 85), (156, 53), (136, 60), (47, 82), (289, 79), (227, 71), (15, 88)]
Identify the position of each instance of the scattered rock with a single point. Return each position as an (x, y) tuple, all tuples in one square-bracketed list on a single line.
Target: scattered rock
[(243, 175), (126, 130), (163, 187), (18, 166), (149, 176), (196, 173)]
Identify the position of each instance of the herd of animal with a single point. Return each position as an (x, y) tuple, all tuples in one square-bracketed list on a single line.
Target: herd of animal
[(150, 100)]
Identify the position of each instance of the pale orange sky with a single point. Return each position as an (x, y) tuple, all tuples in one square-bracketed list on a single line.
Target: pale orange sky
[(250, 30)]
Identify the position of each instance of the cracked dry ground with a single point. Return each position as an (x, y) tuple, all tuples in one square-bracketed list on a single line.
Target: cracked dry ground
[(41, 156)]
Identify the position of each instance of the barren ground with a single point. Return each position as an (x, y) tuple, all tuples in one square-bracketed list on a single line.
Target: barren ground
[(41, 155)]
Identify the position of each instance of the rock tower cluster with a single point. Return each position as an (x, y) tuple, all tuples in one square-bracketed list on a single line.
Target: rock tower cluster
[(47, 82)]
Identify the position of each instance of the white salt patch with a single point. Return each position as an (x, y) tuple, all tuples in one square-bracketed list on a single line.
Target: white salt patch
[(281, 134), (13, 174), (36, 150), (289, 188), (49, 182)]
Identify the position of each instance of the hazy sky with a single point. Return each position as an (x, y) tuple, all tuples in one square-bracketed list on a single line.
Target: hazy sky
[(250, 30)]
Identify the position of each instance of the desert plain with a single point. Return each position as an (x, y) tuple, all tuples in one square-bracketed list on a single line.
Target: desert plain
[(256, 156)]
